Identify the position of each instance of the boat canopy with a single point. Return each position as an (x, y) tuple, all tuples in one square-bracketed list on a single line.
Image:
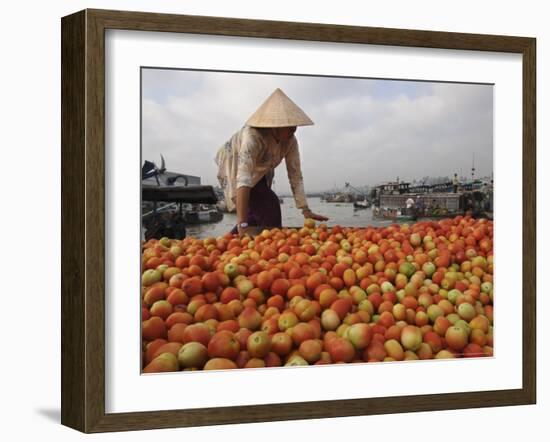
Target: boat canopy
[(179, 194)]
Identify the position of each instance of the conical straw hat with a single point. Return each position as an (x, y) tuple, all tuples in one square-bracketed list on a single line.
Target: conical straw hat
[(279, 111)]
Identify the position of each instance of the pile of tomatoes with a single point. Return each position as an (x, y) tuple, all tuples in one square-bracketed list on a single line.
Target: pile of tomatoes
[(319, 295)]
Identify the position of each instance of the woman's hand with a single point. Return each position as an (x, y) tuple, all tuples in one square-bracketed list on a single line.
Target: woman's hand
[(310, 214), (250, 231)]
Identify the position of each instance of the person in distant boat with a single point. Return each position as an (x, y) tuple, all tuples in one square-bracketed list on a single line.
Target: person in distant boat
[(246, 164), (434, 207), (409, 205), (419, 206), (455, 183)]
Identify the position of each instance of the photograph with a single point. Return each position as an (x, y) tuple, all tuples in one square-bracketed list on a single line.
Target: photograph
[(296, 220)]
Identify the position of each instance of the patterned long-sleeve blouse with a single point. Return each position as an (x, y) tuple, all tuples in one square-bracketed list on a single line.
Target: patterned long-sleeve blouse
[(252, 153)]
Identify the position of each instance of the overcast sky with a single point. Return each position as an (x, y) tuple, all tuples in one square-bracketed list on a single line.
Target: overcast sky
[(366, 131)]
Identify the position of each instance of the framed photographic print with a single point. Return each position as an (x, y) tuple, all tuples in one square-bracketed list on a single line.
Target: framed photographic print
[(388, 266)]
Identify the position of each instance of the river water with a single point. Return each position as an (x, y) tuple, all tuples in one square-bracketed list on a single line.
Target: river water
[(343, 214)]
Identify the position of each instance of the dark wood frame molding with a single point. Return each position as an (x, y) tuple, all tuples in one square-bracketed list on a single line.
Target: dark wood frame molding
[(83, 216)]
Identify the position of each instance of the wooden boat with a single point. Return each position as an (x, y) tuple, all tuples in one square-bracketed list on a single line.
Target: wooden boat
[(361, 205), (392, 214), (163, 211)]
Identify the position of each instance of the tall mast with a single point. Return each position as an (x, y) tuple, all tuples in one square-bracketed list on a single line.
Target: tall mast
[(473, 165)]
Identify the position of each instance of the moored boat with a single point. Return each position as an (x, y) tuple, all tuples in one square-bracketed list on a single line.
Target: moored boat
[(361, 205)]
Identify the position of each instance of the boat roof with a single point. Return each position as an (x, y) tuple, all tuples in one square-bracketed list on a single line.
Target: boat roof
[(179, 194)]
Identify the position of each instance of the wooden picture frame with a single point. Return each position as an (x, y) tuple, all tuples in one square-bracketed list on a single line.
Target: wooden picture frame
[(83, 219)]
